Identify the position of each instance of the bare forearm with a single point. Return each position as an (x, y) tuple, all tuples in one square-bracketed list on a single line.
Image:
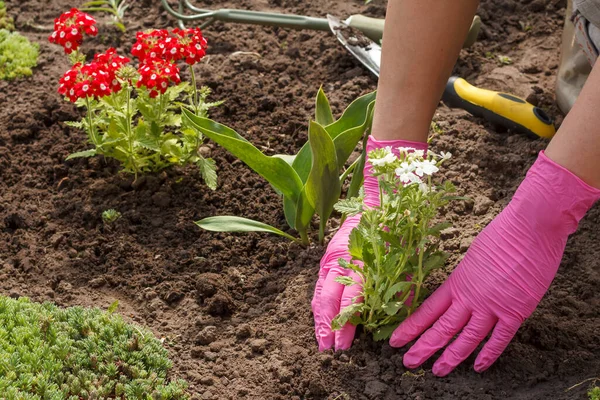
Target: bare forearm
[(576, 145), (421, 42)]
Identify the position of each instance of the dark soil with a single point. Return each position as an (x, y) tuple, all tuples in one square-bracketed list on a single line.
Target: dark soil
[(235, 309)]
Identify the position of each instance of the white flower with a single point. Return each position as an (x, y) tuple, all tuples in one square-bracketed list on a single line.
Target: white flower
[(424, 188), (405, 168), (446, 155), (380, 162), (409, 178), (425, 167)]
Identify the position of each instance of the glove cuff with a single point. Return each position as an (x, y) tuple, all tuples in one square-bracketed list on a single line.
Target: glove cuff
[(371, 185), (556, 196)]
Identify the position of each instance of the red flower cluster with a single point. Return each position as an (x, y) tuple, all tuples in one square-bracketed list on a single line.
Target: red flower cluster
[(188, 44), (70, 27), (156, 76), (96, 79)]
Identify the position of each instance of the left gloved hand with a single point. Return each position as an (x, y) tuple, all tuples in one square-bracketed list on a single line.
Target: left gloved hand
[(503, 276)]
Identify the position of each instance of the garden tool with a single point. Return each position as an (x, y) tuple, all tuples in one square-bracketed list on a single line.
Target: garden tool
[(371, 27), (503, 109)]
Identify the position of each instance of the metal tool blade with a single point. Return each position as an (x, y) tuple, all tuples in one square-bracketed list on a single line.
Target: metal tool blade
[(364, 49)]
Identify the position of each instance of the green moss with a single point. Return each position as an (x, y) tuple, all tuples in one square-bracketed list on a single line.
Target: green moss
[(17, 55), (52, 353), (6, 21), (594, 393)]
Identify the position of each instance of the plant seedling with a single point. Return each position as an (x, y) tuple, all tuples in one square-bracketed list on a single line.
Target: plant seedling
[(110, 216), (17, 55), (395, 245), (309, 181), (114, 7)]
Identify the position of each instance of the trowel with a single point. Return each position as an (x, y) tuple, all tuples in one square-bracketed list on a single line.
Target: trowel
[(503, 109)]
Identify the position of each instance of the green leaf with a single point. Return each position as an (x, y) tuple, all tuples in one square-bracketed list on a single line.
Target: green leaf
[(349, 207), (323, 113), (396, 288), (228, 223), (91, 9), (358, 173), (346, 280), (346, 141), (208, 171), (113, 307), (303, 213), (323, 186), (355, 244), (82, 154), (275, 170), (392, 307), (355, 115), (436, 229), (384, 332), (74, 124), (435, 261), (342, 318)]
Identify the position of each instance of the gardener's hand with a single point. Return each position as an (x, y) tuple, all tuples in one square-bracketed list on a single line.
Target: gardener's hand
[(331, 296), (503, 276)]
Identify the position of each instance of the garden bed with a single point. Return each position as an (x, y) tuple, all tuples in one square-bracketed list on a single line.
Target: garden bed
[(255, 289)]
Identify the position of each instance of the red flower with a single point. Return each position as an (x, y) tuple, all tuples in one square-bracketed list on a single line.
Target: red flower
[(88, 80), (70, 27), (111, 62), (156, 76), (150, 45), (189, 44)]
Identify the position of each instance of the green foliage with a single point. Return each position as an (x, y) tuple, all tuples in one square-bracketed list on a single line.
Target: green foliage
[(110, 216), (147, 134), (114, 7), (17, 55), (594, 393), (395, 260), (51, 353), (6, 21), (309, 181)]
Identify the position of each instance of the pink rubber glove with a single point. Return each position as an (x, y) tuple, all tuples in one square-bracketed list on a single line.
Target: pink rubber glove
[(503, 276), (331, 296)]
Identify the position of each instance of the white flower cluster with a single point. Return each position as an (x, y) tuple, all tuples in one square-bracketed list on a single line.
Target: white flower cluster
[(410, 166)]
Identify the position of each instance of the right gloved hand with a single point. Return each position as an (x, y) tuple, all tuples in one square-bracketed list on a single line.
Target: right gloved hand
[(330, 296)]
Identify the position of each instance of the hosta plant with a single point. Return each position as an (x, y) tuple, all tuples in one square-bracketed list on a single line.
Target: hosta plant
[(53, 353), (395, 245), (310, 181), (134, 114)]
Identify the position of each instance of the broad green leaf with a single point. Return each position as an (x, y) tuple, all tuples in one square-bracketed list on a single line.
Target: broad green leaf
[(286, 157), (227, 223), (275, 170), (392, 307), (304, 212), (357, 177), (208, 171), (346, 141), (436, 229), (436, 260), (323, 186), (396, 288), (346, 280), (82, 154), (355, 115), (384, 332), (342, 318), (323, 113)]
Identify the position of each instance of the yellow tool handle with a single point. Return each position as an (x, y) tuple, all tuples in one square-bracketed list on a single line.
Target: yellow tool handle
[(501, 108)]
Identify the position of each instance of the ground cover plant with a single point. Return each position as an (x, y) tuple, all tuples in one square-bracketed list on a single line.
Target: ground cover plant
[(17, 55), (6, 21), (47, 352), (133, 115), (309, 181), (393, 263)]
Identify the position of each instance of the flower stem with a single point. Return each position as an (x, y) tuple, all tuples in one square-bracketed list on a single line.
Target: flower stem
[(195, 89), (91, 130), (129, 133)]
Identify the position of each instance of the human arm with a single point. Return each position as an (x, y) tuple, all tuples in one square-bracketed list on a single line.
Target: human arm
[(416, 63)]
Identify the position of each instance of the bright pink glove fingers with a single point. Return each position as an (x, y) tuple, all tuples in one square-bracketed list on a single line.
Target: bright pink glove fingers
[(461, 348), (501, 337), (437, 336), (331, 295), (423, 318), (345, 336)]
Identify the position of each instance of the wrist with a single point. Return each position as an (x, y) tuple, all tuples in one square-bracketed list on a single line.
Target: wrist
[(552, 197), (371, 185)]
